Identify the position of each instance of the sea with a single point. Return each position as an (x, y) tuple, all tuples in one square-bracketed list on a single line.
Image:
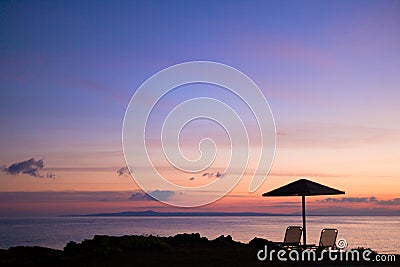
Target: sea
[(379, 233)]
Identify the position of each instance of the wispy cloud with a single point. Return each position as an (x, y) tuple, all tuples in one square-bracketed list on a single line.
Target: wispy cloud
[(162, 195), (84, 196), (334, 135), (123, 171), (51, 175), (30, 167), (214, 174), (140, 196), (65, 196), (101, 88), (394, 201)]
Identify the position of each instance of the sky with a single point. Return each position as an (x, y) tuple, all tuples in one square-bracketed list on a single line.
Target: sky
[(329, 70)]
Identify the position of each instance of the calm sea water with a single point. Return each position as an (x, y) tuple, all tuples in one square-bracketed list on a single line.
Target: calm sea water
[(378, 233)]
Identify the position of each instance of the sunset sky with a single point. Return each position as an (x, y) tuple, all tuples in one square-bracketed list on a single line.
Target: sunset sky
[(330, 71)]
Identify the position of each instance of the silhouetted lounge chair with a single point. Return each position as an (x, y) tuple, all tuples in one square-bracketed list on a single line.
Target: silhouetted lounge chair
[(292, 237), (327, 239)]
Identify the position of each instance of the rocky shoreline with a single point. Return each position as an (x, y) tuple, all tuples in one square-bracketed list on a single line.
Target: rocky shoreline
[(179, 250)]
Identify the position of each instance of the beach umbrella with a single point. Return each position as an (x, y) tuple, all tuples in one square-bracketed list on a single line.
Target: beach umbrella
[(303, 188)]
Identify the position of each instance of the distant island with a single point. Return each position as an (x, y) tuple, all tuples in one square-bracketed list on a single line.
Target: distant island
[(150, 213), (319, 212)]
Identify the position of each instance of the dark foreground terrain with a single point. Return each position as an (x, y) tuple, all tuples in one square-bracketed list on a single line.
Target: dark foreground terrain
[(180, 250)]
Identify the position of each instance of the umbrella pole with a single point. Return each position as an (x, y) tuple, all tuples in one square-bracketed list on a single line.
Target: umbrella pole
[(303, 202)]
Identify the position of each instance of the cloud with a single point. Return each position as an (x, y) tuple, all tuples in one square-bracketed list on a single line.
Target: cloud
[(348, 199), (322, 134), (216, 175), (50, 175), (30, 167), (83, 196), (140, 196), (394, 201), (162, 195), (219, 175), (123, 171), (64, 196), (100, 88)]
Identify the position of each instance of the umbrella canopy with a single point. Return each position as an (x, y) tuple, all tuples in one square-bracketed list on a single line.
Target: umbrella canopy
[(303, 188)]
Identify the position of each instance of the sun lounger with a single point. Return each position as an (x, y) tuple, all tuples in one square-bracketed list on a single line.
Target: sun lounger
[(292, 237), (327, 239)]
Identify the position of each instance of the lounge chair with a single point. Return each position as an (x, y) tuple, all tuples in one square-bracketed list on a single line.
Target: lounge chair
[(327, 239), (292, 237)]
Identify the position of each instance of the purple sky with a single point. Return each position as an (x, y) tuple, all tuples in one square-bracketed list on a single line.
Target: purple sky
[(329, 69)]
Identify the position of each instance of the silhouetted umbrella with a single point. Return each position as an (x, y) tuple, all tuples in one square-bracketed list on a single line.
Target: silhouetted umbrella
[(303, 188)]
